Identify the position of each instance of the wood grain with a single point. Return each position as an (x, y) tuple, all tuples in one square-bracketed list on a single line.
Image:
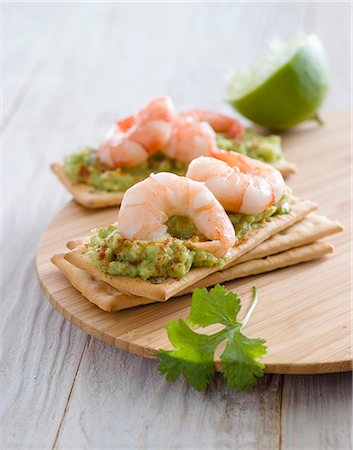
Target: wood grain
[(297, 323), (69, 81), (307, 399)]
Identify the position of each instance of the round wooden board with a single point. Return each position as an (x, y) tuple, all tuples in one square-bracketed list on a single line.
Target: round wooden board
[(304, 310)]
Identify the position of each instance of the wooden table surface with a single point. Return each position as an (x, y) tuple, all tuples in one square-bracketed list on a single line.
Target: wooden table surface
[(68, 71)]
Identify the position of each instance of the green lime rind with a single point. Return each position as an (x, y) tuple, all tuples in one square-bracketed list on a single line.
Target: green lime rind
[(293, 93)]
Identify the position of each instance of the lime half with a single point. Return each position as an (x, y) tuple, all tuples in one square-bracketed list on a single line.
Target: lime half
[(284, 89)]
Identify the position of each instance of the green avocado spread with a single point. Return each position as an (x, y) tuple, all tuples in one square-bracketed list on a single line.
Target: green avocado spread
[(264, 148), (164, 257), (172, 256), (85, 167)]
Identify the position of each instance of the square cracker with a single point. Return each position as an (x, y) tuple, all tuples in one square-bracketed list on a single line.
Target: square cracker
[(312, 228), (272, 254), (87, 195), (101, 294), (287, 258), (170, 287), (90, 197), (110, 299)]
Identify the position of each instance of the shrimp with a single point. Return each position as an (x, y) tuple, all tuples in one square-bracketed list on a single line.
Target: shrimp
[(147, 206), (240, 183), (219, 122), (193, 134), (132, 140), (189, 140)]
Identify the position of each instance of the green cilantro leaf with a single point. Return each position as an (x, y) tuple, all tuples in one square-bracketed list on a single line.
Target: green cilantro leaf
[(193, 357), (239, 360), (194, 352), (214, 306)]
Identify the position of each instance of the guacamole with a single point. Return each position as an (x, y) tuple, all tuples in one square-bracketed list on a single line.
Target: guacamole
[(85, 167), (164, 257), (183, 227), (172, 256), (264, 148)]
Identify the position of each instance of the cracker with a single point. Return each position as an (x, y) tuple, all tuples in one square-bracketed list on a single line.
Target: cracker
[(87, 195), (74, 243), (170, 287), (101, 294), (90, 197), (110, 299), (285, 167), (312, 228), (290, 257)]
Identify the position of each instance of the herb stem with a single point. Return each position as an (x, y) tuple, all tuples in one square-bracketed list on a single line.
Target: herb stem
[(252, 307)]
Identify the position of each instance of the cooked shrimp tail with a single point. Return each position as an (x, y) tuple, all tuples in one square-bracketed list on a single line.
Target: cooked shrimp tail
[(147, 206), (219, 122)]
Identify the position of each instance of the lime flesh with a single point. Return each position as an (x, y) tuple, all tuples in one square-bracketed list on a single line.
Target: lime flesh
[(291, 94)]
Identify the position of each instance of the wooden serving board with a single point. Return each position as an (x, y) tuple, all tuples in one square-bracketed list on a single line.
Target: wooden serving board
[(303, 311)]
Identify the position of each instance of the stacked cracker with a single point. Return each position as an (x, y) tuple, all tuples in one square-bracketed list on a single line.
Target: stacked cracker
[(283, 241)]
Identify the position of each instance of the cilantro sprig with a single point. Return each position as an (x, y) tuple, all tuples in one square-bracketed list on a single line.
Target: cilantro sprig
[(194, 352)]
